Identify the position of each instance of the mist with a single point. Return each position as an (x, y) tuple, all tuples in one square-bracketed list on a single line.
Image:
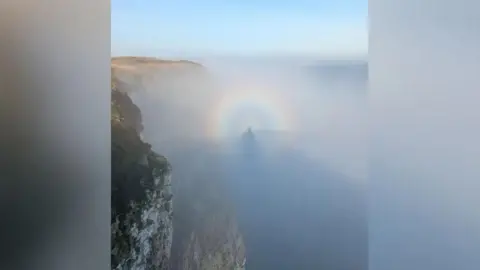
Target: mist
[(424, 146), (327, 116), (300, 199)]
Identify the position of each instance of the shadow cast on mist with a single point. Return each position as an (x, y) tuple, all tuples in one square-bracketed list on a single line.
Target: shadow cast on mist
[(294, 213), (299, 214)]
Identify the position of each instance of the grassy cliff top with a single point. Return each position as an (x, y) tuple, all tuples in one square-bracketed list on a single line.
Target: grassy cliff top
[(135, 72), (149, 60), (134, 63)]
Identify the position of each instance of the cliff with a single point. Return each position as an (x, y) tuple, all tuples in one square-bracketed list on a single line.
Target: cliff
[(141, 215), (203, 233), (142, 73)]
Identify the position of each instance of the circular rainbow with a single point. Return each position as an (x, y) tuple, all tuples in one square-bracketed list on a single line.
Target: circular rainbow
[(238, 109)]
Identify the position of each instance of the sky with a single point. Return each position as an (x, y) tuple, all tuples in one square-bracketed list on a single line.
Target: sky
[(301, 27)]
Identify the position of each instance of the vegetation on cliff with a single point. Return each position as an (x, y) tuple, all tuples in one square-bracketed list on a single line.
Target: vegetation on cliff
[(139, 176)]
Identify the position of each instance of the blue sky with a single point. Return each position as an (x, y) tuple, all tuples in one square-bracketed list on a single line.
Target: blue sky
[(248, 27)]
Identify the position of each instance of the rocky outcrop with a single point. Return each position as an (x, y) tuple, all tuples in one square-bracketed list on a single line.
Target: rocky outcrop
[(204, 252), (141, 216)]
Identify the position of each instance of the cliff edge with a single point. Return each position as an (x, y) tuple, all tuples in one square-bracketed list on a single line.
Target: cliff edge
[(141, 215), (203, 234)]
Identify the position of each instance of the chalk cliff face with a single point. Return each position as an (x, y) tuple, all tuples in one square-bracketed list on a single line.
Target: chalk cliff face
[(170, 214), (141, 217)]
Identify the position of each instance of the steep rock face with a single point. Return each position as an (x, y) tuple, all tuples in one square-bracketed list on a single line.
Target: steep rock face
[(141, 217)]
